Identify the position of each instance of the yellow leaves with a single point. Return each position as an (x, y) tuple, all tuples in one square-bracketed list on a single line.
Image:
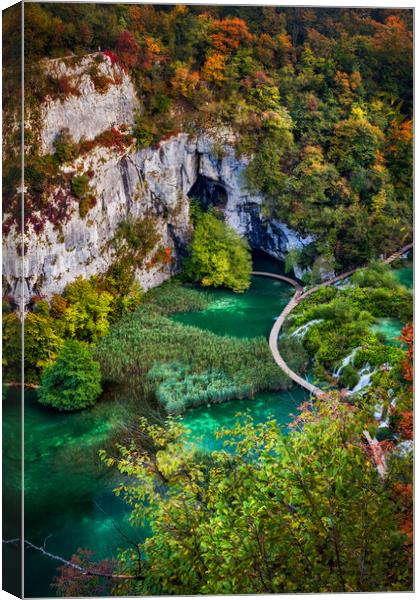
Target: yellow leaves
[(285, 41), (358, 113), (214, 68), (153, 45), (185, 81), (379, 201)]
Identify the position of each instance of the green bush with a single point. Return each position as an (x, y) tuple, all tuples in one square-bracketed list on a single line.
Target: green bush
[(376, 275), (219, 256), (349, 377), (80, 186), (73, 381), (64, 147)]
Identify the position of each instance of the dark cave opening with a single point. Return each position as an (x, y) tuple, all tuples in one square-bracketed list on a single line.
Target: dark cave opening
[(208, 193)]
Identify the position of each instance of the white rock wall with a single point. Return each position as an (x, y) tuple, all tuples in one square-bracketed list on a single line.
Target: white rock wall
[(90, 113), (152, 182)]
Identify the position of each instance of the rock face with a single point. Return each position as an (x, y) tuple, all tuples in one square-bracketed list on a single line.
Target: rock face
[(89, 112), (129, 184)]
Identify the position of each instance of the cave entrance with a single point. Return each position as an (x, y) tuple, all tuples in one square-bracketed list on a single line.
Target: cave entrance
[(208, 193)]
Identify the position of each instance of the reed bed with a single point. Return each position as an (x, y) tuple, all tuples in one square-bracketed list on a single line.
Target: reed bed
[(216, 368)]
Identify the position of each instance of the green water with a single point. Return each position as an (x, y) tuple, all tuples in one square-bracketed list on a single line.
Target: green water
[(405, 275), (68, 492), (391, 329), (242, 315)]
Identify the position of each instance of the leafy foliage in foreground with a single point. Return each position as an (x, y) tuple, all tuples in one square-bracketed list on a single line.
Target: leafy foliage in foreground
[(73, 381), (219, 257), (306, 513)]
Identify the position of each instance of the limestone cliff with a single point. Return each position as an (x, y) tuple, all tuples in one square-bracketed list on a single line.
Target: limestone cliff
[(127, 183)]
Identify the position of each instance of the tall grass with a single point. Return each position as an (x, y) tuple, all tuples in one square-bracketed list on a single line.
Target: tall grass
[(178, 388), (215, 367)]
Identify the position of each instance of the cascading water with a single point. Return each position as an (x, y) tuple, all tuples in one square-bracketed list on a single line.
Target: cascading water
[(365, 378), (301, 331), (346, 361)]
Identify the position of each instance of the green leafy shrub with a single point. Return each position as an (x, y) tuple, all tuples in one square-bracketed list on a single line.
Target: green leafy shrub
[(87, 312), (376, 275), (219, 256), (134, 240), (65, 149), (80, 186), (73, 381), (349, 377)]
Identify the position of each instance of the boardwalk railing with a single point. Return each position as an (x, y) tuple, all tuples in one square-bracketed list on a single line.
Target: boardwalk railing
[(377, 453), (297, 298)]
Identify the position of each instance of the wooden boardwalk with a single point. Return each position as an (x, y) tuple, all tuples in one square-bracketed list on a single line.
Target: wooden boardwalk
[(298, 296)]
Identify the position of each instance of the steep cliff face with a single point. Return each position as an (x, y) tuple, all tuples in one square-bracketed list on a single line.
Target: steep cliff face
[(129, 184), (88, 111)]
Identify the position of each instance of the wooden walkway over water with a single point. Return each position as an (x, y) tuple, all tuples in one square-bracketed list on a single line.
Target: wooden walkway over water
[(298, 296)]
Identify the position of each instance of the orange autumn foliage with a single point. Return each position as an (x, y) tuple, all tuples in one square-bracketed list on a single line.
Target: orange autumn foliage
[(229, 34), (214, 68), (185, 81)]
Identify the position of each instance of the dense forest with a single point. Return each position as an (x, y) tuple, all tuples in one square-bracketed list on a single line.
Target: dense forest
[(324, 94), (319, 102)]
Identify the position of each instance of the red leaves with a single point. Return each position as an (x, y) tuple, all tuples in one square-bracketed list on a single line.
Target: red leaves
[(112, 56), (113, 138), (407, 336), (406, 424), (127, 50), (72, 581), (110, 138)]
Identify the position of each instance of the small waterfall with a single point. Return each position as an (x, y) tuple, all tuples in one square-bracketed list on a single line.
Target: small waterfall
[(379, 409), (301, 331), (346, 361), (365, 377)]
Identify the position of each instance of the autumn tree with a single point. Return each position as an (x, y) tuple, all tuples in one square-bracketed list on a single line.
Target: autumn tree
[(228, 34), (127, 49)]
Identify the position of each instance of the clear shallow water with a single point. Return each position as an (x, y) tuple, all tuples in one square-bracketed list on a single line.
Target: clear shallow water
[(405, 276), (69, 493), (242, 315), (391, 329)]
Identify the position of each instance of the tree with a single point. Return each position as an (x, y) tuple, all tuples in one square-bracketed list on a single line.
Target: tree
[(73, 381), (214, 68), (88, 307), (355, 144), (305, 513), (230, 33), (42, 344), (127, 50), (219, 256)]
